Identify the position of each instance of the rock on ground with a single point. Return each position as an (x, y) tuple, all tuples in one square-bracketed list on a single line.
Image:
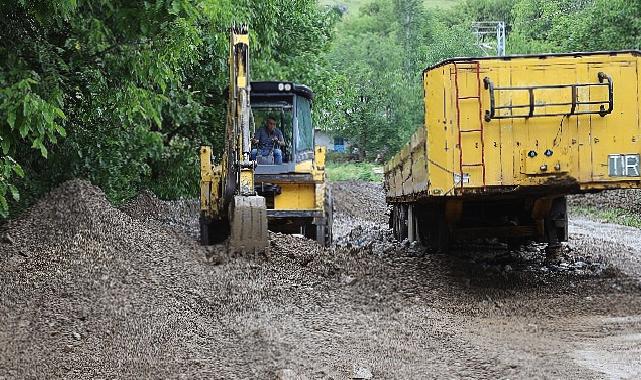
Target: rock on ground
[(93, 291), (629, 199)]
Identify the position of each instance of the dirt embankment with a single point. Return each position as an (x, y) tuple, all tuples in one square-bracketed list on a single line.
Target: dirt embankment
[(89, 290)]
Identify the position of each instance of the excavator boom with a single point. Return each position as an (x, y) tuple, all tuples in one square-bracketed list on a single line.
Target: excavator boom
[(230, 209)]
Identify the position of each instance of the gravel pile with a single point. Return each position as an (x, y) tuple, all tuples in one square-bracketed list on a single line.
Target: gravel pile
[(533, 259), (177, 214), (364, 201), (625, 199), (361, 220), (93, 291), (89, 291)]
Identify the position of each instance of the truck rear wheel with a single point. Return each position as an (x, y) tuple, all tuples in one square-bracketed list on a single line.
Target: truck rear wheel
[(556, 226), (399, 221), (432, 230), (429, 225)]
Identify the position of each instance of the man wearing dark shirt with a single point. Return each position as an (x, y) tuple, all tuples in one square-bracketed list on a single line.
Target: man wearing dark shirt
[(268, 138)]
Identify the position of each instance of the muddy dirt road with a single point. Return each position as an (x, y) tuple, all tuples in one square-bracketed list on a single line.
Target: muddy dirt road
[(92, 291)]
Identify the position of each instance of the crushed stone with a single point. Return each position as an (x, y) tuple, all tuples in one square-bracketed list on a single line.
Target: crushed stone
[(628, 199), (94, 291)]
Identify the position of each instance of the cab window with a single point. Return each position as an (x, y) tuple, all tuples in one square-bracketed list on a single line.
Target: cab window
[(305, 132), (283, 116)]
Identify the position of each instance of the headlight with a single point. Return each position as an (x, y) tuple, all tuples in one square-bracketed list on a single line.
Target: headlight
[(281, 87), (288, 87)]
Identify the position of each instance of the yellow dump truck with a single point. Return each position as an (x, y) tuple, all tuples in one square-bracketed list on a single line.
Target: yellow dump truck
[(505, 140)]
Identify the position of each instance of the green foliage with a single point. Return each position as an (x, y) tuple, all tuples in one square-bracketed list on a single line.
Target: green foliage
[(468, 11), (599, 25), (124, 92), (610, 215), (353, 172), (354, 5), (28, 117), (181, 161), (8, 170), (548, 26), (372, 60), (381, 55)]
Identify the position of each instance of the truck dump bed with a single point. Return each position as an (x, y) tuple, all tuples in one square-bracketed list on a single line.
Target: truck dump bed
[(549, 124)]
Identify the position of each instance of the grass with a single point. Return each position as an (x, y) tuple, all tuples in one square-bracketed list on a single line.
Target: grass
[(353, 172), (610, 215)]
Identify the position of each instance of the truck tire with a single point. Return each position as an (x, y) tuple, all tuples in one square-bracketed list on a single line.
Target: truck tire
[(556, 226), (399, 221), (432, 230)]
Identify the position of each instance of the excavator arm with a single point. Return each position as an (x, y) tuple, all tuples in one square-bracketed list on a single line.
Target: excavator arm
[(230, 209)]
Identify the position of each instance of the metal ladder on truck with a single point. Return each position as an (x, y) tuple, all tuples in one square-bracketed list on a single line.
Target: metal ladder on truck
[(469, 98)]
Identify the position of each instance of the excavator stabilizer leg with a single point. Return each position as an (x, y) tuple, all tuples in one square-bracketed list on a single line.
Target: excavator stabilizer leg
[(248, 222)]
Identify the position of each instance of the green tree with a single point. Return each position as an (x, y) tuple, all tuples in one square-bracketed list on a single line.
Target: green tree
[(123, 92), (368, 53), (544, 26), (599, 25), (383, 53)]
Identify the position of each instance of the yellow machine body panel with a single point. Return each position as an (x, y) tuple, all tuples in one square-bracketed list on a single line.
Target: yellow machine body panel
[(303, 194), (295, 196), (302, 202), (546, 124), (305, 188)]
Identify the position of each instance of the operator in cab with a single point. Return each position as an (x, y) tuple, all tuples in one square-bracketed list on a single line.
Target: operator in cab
[(269, 140)]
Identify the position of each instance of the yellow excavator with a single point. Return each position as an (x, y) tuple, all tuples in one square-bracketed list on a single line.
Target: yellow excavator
[(244, 191)]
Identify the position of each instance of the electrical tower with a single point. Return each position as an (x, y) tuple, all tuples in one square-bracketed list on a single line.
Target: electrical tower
[(490, 36)]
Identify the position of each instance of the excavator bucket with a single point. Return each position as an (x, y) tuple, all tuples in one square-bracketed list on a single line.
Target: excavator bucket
[(248, 225)]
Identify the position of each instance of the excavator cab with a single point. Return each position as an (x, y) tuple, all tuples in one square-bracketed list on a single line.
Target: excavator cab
[(281, 113), (290, 105), (297, 197)]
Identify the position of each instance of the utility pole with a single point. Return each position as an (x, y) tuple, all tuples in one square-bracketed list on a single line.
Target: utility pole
[(490, 36)]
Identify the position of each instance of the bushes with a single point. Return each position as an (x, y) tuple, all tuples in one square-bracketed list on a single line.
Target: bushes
[(353, 172), (124, 92)]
